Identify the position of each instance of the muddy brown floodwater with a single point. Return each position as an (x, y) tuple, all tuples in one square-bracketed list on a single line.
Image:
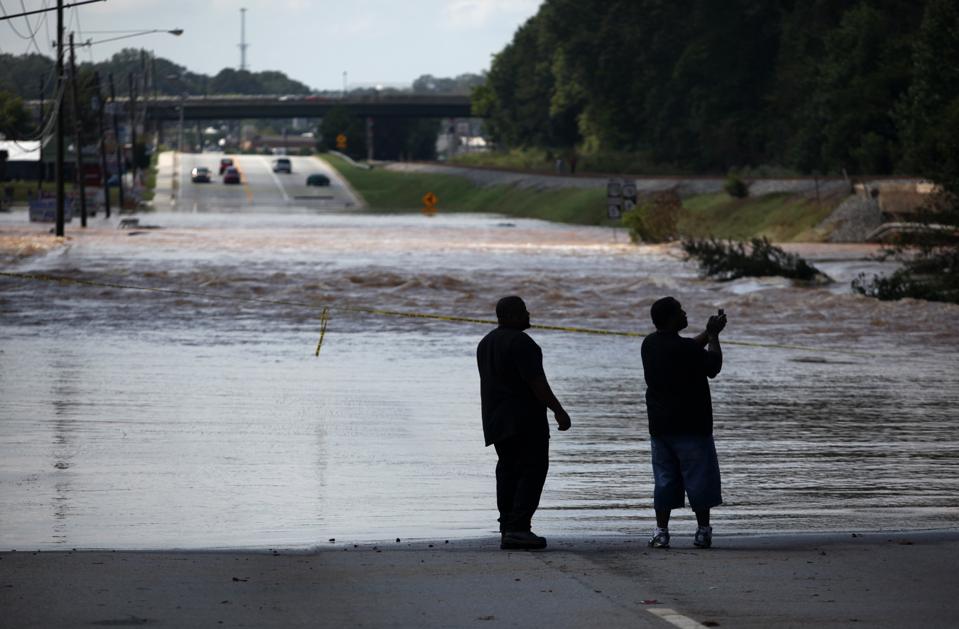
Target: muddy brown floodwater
[(135, 419)]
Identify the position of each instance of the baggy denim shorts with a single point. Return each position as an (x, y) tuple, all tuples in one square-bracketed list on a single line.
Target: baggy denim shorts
[(685, 464)]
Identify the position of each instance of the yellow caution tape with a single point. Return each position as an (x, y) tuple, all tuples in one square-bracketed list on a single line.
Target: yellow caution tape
[(45, 277)]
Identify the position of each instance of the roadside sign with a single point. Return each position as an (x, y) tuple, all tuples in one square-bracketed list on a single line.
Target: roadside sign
[(429, 203), (614, 188), (614, 210), (44, 210), (341, 141)]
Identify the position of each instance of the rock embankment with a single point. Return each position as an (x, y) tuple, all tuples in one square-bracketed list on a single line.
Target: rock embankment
[(853, 220)]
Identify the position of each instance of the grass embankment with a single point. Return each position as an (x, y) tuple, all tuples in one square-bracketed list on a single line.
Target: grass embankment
[(544, 161), (780, 217), (386, 191)]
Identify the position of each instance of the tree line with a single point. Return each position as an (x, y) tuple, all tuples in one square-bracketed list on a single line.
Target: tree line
[(811, 86)]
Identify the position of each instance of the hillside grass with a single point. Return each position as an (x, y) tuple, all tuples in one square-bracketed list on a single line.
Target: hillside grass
[(392, 192), (779, 217)]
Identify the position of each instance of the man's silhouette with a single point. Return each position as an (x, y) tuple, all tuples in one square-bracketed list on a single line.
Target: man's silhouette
[(515, 395), (681, 418)]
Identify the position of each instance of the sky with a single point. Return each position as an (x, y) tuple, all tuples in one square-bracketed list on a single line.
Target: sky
[(385, 42)]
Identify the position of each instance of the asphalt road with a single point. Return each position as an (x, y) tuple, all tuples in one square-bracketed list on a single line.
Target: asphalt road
[(260, 190)]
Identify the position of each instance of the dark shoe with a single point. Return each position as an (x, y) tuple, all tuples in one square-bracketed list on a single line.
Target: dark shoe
[(522, 540), (704, 537)]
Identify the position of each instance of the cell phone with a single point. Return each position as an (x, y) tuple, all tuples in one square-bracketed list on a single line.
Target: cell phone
[(721, 312)]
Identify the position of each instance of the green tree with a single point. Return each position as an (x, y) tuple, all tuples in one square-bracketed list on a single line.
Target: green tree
[(14, 118), (928, 116), (518, 95), (340, 120)]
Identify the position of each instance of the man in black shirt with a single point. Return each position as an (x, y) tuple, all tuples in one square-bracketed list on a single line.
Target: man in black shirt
[(681, 417), (515, 395)]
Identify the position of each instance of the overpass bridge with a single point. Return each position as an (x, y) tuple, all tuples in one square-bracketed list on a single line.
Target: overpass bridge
[(167, 108)]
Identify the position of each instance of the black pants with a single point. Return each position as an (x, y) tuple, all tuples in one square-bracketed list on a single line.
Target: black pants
[(520, 476)]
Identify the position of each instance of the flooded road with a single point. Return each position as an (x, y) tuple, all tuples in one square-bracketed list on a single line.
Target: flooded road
[(142, 419)]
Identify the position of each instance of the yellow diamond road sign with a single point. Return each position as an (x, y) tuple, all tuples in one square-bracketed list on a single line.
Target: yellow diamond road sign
[(430, 199), (341, 141)]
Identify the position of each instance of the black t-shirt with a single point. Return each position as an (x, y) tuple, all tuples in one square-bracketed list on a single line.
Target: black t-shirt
[(508, 360), (677, 392)]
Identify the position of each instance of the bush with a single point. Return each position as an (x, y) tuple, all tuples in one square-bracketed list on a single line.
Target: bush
[(731, 260), (655, 219), (736, 187), (929, 257)]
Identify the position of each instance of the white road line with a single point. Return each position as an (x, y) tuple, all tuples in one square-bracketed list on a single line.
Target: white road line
[(675, 618), (276, 179)]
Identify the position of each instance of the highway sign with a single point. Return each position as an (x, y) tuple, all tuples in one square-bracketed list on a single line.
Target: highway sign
[(614, 210), (341, 141), (614, 188)]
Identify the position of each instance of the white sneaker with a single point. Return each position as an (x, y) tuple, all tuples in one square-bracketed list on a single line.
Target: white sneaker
[(660, 539)]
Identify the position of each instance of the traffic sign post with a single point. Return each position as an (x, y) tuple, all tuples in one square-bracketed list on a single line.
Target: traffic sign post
[(341, 142), (429, 203), (614, 199), (620, 197)]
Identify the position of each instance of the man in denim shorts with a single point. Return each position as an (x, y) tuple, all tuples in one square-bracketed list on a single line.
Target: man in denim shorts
[(681, 418)]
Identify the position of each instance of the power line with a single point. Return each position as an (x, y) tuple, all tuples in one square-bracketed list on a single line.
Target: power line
[(10, 17), (66, 6)]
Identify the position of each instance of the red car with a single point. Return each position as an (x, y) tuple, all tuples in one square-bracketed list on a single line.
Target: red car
[(225, 163), (231, 175)]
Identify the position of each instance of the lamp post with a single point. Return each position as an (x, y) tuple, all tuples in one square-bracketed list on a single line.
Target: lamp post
[(175, 32)]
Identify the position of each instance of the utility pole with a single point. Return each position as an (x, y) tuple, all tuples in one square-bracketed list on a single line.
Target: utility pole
[(103, 147), (243, 44), (119, 145), (133, 129), (59, 105), (78, 138), (41, 171), (153, 83), (369, 139)]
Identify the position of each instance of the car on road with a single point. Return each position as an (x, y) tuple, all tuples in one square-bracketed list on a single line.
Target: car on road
[(225, 163), (231, 175), (317, 179), (282, 165), (200, 174)]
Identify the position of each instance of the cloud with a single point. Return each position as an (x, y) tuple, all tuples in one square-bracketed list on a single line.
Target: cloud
[(476, 14)]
